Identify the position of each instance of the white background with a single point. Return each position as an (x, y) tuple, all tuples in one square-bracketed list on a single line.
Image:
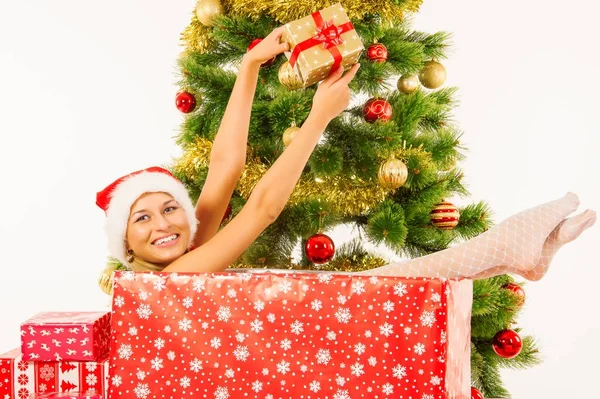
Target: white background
[(86, 95)]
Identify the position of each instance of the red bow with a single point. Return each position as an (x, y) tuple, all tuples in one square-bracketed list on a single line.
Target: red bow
[(329, 35)]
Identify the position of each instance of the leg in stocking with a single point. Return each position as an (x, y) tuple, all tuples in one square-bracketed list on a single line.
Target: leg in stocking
[(516, 242)]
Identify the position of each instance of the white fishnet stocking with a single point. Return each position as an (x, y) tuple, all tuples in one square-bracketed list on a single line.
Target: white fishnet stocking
[(523, 244)]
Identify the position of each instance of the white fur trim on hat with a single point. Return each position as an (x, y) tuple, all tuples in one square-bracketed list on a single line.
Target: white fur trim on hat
[(125, 195)]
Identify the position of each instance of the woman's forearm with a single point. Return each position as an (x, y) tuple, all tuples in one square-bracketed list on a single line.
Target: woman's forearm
[(229, 145), (276, 186)]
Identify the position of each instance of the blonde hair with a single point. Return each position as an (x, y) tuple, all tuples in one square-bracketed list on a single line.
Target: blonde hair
[(105, 281)]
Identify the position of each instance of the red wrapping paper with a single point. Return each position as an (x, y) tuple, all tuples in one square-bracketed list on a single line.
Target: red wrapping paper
[(62, 395), (281, 335), (21, 379), (72, 336)]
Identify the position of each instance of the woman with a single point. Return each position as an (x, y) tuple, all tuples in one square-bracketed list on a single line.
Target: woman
[(153, 226)]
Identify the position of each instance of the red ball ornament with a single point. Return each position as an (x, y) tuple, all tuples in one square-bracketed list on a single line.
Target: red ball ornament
[(475, 394), (185, 102), (507, 344), (252, 45), (377, 109), (517, 290), (319, 248), (377, 52), (444, 216)]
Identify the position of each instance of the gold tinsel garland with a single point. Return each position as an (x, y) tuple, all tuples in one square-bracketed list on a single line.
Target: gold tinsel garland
[(337, 264), (196, 37)]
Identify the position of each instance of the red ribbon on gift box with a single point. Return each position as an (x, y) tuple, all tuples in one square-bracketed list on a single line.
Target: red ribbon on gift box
[(328, 35)]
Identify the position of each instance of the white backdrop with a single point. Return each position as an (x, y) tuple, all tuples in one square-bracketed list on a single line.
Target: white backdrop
[(86, 95)]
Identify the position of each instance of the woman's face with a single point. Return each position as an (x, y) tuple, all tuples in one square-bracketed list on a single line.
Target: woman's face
[(158, 230)]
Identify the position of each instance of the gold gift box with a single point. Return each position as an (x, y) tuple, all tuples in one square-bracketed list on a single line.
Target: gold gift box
[(314, 64)]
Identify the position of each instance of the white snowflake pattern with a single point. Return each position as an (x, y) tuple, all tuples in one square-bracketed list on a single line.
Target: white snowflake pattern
[(119, 301), (187, 302), (358, 287), (198, 285), (143, 295), (42, 388), (343, 315), (331, 335), (171, 355), (399, 371), (144, 311), (388, 306), (285, 287), (368, 334), (357, 369), (91, 379), (141, 391), (185, 382), (387, 388), (283, 367), (386, 329), (229, 373), (159, 343), (91, 367), (221, 393), (323, 356), (435, 297), (159, 285), (224, 313), (342, 299), (265, 371), (360, 348), (427, 318), (286, 344), (271, 318), (256, 326), (231, 293), (316, 305), (373, 280), (259, 305), (400, 289), (304, 368), (407, 330), (315, 386), (141, 375), (185, 324), (125, 351), (241, 353), (196, 365), (240, 337), (215, 343), (116, 380), (128, 275), (427, 396), (340, 380), (167, 329), (133, 331), (443, 337), (435, 380), (297, 327), (325, 278), (341, 394), (157, 363), (257, 386), (419, 348)]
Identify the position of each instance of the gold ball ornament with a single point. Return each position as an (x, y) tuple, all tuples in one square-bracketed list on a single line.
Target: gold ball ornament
[(289, 78), (408, 84), (392, 173), (433, 75), (444, 216), (207, 10), (289, 134)]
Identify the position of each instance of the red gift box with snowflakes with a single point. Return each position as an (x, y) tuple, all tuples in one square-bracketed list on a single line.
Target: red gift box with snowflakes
[(66, 395), (22, 379), (72, 336), (277, 334)]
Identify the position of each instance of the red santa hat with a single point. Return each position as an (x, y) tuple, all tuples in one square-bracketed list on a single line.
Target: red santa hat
[(118, 197)]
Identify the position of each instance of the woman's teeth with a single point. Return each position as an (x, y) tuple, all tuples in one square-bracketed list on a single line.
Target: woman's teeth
[(165, 239)]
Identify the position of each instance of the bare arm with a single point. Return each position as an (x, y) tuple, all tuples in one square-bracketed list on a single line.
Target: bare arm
[(273, 190), (228, 154)]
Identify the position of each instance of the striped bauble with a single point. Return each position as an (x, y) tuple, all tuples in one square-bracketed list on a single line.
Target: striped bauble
[(444, 216)]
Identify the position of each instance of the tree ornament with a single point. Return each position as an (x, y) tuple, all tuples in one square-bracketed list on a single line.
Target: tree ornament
[(507, 344), (377, 109), (207, 10), (444, 216), (289, 134), (433, 75), (392, 173), (517, 290), (377, 52), (319, 248), (475, 394), (253, 44), (185, 102), (289, 78), (408, 84)]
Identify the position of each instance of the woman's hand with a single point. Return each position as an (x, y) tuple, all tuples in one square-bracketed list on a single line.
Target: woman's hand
[(333, 95), (268, 48)]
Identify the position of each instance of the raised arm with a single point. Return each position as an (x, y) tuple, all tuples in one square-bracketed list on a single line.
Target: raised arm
[(274, 189), (228, 155)]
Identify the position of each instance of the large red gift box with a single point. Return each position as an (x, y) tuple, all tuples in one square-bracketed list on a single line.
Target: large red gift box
[(56, 336), (63, 395), (20, 379), (282, 335)]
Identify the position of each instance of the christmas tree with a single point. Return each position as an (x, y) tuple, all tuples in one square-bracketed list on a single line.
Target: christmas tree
[(384, 167)]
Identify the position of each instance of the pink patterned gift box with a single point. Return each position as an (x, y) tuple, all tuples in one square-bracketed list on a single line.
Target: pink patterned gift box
[(268, 334), (63, 395), (56, 336), (21, 379)]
